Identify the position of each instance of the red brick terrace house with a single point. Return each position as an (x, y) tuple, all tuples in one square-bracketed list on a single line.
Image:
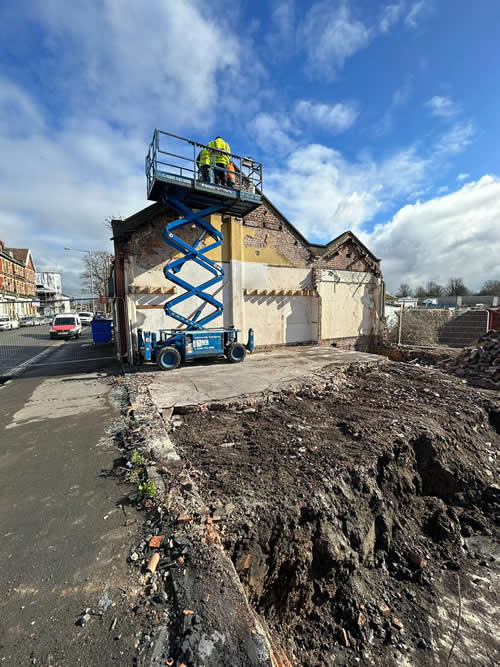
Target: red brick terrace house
[(288, 290), (17, 281)]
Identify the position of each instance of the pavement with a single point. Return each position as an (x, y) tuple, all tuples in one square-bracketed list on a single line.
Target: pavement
[(32, 347), (201, 382), (63, 542)]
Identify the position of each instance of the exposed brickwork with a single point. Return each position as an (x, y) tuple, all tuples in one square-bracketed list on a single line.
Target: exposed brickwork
[(347, 257), (358, 343), (148, 246), (255, 242), (269, 229)]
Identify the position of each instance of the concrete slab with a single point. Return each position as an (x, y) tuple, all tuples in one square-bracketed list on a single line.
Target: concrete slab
[(204, 382)]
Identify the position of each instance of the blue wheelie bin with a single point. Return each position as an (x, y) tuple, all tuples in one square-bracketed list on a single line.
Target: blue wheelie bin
[(101, 331)]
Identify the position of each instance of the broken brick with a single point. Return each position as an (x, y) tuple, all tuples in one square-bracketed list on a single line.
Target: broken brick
[(397, 623), (155, 541), (184, 518), (383, 609), (244, 562), (361, 620), (416, 559)]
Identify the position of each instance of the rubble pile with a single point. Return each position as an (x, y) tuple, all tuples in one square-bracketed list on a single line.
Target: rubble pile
[(360, 507), (479, 365)]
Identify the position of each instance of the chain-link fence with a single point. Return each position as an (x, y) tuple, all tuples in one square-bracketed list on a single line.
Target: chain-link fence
[(47, 333), (417, 326)]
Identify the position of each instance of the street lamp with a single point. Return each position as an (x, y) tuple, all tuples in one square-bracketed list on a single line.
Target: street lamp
[(89, 252)]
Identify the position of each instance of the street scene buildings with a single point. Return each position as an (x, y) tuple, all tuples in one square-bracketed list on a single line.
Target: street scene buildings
[(17, 282)]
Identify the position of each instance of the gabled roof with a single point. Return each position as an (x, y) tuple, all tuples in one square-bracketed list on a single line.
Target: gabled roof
[(22, 255), (122, 228)]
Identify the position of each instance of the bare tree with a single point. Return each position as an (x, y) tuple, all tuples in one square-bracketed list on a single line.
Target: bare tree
[(490, 288), (102, 263), (404, 290), (433, 289), (456, 287), (108, 222), (420, 292)]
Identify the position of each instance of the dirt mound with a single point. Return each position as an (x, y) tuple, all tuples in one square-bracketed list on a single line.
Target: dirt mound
[(350, 511), (480, 364)]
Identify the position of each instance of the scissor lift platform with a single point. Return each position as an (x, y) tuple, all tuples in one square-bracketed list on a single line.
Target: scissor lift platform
[(195, 192), (172, 171)]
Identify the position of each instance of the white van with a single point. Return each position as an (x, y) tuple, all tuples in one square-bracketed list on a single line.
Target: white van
[(66, 325)]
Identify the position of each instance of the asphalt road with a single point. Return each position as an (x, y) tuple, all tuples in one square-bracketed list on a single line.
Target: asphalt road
[(63, 538), (33, 346)]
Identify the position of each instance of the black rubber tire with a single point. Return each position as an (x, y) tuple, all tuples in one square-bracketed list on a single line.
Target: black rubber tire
[(168, 358), (235, 353)]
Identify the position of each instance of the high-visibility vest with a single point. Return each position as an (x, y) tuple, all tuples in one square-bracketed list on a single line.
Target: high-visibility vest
[(230, 175), (205, 156), (221, 158)]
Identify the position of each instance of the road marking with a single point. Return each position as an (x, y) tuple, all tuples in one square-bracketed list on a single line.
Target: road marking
[(22, 367), (74, 361)]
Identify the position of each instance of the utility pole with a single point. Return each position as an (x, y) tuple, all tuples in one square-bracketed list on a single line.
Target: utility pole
[(400, 322), (89, 252)]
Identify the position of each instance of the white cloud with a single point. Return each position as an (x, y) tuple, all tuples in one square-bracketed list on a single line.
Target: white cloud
[(274, 132), (337, 117), (323, 193), (462, 177), (113, 72), (281, 38), (139, 67), (456, 139), (415, 12), (390, 16), (454, 235), (330, 35), (441, 190), (442, 106)]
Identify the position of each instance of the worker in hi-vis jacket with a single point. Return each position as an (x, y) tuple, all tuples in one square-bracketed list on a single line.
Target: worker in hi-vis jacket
[(204, 161), (222, 156)]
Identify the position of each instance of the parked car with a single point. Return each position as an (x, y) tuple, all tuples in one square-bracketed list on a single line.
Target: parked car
[(8, 323), (27, 321), (86, 318), (67, 326)]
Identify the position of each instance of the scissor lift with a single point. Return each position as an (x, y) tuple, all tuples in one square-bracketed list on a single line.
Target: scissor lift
[(174, 178)]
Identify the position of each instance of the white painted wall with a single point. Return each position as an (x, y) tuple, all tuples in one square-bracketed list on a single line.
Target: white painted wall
[(155, 319), (279, 319), (349, 302)]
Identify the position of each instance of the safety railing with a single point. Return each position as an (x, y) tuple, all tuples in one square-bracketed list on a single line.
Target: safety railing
[(171, 155)]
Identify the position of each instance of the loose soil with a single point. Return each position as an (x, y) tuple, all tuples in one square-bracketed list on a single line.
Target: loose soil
[(360, 514)]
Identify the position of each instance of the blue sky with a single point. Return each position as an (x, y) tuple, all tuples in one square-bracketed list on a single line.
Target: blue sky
[(380, 117)]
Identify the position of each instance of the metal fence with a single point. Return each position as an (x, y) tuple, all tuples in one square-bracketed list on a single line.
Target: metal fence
[(28, 340), (417, 326)]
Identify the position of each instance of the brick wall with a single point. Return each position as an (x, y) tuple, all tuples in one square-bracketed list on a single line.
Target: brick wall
[(358, 343), (347, 257), (270, 229)]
